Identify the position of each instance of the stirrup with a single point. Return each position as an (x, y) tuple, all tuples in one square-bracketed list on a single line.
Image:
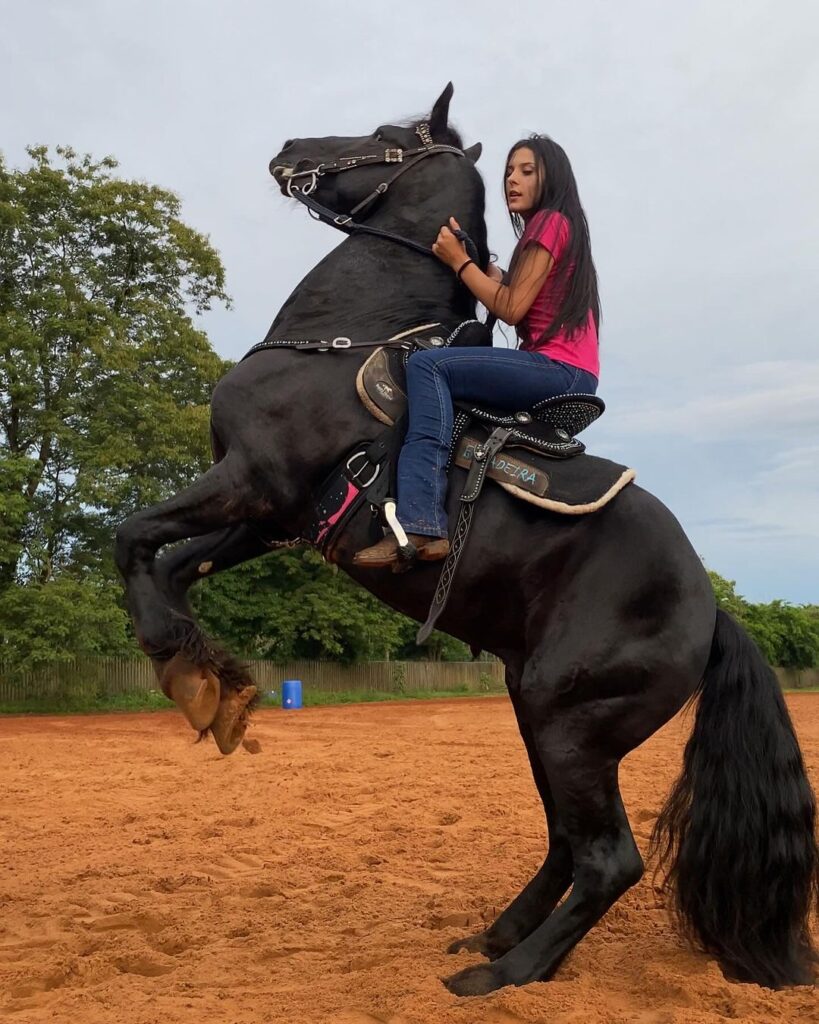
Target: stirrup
[(406, 549), (407, 552)]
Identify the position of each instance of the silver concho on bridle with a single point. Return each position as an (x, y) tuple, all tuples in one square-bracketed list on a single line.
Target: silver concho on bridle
[(424, 134)]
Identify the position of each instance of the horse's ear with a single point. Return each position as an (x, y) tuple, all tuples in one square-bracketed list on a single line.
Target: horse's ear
[(440, 112), (474, 152)]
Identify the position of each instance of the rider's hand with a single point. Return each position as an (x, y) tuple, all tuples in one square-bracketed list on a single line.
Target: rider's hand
[(448, 248)]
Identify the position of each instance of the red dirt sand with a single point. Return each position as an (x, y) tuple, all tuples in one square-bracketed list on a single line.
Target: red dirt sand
[(146, 879)]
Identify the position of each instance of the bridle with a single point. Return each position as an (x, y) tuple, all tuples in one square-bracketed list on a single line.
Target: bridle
[(302, 190)]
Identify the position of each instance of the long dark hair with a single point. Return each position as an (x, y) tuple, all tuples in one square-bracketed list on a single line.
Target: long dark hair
[(558, 192)]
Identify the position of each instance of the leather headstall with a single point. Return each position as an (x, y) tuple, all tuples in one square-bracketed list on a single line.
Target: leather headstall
[(408, 158)]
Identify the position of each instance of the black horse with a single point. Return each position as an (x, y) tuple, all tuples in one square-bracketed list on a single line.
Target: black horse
[(606, 623)]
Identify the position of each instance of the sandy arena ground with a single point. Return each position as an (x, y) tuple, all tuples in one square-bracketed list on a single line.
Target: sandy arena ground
[(145, 879)]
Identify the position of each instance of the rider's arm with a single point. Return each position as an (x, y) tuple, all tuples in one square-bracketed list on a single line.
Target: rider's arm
[(508, 302), (511, 302)]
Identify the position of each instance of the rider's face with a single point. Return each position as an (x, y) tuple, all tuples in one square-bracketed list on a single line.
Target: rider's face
[(523, 183)]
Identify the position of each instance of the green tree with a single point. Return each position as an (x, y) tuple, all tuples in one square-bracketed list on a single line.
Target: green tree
[(104, 379), (787, 635), (439, 647), (726, 596), (291, 605), (14, 472), (105, 384), (65, 618)]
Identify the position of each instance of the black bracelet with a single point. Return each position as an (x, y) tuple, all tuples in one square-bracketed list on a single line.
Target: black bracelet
[(463, 268)]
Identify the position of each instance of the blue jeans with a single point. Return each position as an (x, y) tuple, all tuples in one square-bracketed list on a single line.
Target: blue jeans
[(504, 378)]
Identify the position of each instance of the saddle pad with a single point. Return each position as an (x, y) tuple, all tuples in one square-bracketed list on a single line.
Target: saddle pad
[(575, 486)]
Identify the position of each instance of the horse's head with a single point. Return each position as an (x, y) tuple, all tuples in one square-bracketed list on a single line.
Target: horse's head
[(348, 173)]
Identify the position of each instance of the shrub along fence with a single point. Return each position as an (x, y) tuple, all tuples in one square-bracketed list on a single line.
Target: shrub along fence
[(104, 677)]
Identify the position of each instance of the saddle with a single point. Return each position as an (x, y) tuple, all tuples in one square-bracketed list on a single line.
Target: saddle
[(532, 454), (537, 460)]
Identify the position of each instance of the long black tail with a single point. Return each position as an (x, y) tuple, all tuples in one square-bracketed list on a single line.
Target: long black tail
[(737, 836)]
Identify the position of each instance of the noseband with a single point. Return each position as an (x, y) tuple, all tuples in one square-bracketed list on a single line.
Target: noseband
[(407, 158)]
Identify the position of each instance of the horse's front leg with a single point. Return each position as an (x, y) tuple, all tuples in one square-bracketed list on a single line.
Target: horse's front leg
[(211, 688)]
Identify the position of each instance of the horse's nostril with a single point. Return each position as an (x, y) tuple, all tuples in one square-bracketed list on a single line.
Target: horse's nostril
[(287, 145)]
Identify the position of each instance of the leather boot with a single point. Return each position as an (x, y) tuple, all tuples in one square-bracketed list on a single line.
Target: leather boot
[(385, 552)]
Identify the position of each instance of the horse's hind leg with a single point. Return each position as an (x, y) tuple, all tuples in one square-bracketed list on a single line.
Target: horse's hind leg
[(606, 860), (543, 892)]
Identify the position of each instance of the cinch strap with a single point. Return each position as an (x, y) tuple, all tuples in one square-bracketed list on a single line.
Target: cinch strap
[(472, 488)]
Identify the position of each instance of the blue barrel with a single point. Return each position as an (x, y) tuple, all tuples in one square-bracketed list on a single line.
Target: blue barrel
[(291, 693)]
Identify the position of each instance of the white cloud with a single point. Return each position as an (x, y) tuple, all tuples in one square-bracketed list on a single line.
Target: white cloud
[(757, 401), (784, 495)]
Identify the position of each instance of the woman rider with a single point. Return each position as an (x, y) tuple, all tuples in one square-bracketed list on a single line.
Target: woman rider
[(551, 299)]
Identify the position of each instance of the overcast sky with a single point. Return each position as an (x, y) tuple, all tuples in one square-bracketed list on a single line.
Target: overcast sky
[(693, 130)]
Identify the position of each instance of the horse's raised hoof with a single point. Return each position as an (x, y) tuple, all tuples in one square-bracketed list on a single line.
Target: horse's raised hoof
[(472, 944), (475, 981), (229, 725), (194, 689)]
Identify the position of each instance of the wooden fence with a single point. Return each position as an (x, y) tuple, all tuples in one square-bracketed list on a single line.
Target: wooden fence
[(798, 678), (104, 677)]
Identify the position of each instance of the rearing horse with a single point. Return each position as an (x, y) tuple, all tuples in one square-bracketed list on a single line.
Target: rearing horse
[(606, 623)]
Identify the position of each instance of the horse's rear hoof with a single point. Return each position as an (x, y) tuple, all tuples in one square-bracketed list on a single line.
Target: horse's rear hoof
[(195, 691), (229, 725)]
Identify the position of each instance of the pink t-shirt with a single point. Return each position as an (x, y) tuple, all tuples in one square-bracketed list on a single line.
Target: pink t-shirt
[(551, 230)]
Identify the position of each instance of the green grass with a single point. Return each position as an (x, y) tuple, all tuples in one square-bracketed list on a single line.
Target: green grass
[(153, 700), (77, 704)]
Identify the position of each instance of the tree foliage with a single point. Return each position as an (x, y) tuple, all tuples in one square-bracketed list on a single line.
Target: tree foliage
[(105, 383), (43, 623), (291, 605), (104, 379), (786, 634)]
